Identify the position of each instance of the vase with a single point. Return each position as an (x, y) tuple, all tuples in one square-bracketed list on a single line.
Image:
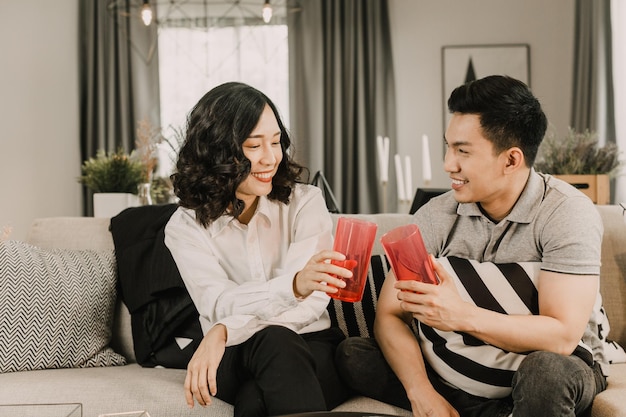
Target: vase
[(143, 193), (111, 204)]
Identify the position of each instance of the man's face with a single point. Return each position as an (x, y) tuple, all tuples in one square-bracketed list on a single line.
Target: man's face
[(477, 173)]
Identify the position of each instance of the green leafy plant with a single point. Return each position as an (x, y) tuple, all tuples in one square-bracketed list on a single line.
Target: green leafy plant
[(577, 153), (114, 172)]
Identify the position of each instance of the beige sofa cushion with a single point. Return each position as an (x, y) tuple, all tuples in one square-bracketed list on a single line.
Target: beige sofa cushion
[(71, 233)]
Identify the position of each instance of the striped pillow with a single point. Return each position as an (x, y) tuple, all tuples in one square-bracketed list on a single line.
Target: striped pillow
[(477, 367), (464, 361)]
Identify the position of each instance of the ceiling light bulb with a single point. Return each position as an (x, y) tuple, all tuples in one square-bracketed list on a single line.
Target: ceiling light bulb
[(267, 11), (146, 13)]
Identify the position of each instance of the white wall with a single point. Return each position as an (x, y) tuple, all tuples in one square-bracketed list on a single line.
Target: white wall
[(420, 28), (39, 146), (39, 107)]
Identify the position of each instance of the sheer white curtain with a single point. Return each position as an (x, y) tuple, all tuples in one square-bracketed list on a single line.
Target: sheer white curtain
[(618, 17), (192, 60)]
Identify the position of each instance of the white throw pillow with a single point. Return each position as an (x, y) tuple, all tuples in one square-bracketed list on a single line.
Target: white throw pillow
[(56, 308), (613, 351)]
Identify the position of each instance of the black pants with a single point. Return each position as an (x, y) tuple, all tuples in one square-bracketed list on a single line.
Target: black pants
[(278, 371)]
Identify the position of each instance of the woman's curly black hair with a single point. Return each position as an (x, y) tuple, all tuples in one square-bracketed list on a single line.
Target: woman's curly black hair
[(211, 163)]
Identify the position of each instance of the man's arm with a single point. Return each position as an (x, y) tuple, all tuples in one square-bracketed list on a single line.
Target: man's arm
[(565, 305), (403, 353)]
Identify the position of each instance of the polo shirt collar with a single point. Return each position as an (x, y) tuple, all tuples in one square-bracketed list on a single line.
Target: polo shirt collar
[(526, 207)]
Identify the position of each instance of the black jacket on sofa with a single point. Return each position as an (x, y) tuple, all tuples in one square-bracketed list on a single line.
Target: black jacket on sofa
[(165, 326)]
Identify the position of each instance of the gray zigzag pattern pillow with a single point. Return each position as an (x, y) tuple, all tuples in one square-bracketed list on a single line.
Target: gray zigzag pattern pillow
[(56, 308)]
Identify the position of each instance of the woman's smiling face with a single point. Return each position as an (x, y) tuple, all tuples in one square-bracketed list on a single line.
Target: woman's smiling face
[(265, 153)]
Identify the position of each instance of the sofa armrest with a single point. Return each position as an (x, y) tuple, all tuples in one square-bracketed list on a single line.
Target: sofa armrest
[(613, 270)]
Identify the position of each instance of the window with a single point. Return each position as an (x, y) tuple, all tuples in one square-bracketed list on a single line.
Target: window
[(202, 47)]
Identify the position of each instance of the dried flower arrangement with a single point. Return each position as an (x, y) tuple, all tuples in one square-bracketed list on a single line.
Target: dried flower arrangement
[(146, 144), (5, 233), (174, 141), (577, 153), (148, 140)]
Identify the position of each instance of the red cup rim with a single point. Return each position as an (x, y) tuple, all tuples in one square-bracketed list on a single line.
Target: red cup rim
[(414, 229), (355, 220)]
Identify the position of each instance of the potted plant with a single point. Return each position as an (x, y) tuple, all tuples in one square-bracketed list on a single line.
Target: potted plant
[(578, 159), (113, 172), (113, 178)]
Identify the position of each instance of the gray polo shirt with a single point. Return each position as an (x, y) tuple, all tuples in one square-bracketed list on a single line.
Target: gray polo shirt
[(552, 223)]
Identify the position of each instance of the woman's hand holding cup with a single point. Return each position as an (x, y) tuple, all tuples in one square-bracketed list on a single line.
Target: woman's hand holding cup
[(320, 275)]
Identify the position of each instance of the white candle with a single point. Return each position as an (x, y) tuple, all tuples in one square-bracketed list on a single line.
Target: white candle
[(399, 178), (386, 157), (408, 180), (382, 147), (426, 170)]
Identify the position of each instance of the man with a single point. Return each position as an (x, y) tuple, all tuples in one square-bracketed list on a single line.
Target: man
[(485, 346)]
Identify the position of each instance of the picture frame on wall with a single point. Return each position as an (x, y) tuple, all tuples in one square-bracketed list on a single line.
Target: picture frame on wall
[(463, 63)]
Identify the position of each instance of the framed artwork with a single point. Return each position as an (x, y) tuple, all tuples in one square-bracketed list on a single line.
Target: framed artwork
[(463, 63)]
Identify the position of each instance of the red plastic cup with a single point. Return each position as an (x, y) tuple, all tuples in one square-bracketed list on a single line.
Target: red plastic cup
[(407, 254), (355, 239)]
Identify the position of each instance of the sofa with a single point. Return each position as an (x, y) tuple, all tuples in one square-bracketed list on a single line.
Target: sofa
[(158, 390)]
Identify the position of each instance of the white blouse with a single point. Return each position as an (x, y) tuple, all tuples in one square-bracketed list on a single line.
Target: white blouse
[(241, 275)]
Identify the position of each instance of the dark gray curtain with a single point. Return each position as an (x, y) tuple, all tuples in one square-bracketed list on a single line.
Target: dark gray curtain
[(342, 95), (119, 79), (592, 104)]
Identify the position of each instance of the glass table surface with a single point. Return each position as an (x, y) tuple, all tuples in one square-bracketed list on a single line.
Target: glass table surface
[(41, 410)]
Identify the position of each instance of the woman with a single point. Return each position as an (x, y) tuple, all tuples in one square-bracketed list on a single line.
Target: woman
[(252, 246)]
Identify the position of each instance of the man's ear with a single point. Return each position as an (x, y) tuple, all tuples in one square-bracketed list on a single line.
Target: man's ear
[(514, 159)]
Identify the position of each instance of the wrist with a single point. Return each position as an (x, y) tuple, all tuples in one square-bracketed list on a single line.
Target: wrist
[(297, 293), (220, 331)]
